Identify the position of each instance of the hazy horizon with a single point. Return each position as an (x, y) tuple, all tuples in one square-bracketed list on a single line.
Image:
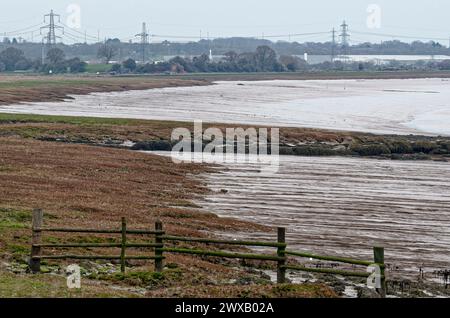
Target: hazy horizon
[(251, 18)]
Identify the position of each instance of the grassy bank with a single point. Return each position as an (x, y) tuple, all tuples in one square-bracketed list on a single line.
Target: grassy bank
[(156, 135)]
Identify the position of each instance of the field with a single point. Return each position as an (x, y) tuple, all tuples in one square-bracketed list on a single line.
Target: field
[(100, 68)]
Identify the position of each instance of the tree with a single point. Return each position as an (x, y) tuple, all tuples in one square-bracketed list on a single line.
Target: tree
[(114, 41), (116, 68), (444, 65), (266, 58), (185, 63), (56, 56), (130, 65), (201, 63), (75, 65), (22, 65), (293, 63), (10, 57), (107, 52), (36, 65), (247, 62), (231, 56)]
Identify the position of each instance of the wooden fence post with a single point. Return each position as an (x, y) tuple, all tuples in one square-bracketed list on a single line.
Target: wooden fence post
[(158, 253), (281, 271), (123, 245), (35, 263), (378, 255), (159, 266)]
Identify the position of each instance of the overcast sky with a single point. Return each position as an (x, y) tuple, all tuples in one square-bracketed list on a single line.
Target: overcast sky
[(118, 18)]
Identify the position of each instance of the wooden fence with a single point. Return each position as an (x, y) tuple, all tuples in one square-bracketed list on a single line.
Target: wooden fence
[(159, 248)]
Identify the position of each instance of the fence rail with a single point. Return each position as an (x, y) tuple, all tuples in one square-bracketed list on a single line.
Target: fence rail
[(330, 258), (159, 248), (98, 231), (243, 243)]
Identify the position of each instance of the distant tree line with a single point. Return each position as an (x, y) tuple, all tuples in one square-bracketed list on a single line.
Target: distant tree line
[(13, 60), (264, 59), (125, 50)]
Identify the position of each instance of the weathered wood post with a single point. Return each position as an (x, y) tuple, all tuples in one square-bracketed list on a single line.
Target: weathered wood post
[(123, 245), (159, 265), (35, 263), (281, 271), (378, 255)]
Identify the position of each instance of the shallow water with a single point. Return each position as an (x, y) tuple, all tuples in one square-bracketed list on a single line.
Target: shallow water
[(378, 106)]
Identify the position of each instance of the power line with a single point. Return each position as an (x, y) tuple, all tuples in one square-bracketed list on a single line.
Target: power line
[(400, 36), (78, 38), (84, 34), (21, 31), (243, 37), (69, 37), (51, 26), (292, 35)]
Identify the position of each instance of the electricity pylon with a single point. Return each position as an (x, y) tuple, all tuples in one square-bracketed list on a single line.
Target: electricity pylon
[(144, 41)]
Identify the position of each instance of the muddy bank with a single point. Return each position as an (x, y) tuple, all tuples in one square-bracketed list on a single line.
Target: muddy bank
[(27, 89), (152, 135)]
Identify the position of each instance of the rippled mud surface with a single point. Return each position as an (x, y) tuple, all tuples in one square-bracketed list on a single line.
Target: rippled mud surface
[(345, 206)]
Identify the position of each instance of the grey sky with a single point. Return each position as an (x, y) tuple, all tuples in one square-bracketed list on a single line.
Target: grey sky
[(119, 18)]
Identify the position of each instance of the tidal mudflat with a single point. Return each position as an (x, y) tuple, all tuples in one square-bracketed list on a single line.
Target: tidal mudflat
[(396, 106)]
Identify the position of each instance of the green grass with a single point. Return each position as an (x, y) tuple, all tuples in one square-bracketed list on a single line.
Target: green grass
[(102, 68), (64, 119), (13, 219), (36, 83), (87, 121), (46, 286)]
